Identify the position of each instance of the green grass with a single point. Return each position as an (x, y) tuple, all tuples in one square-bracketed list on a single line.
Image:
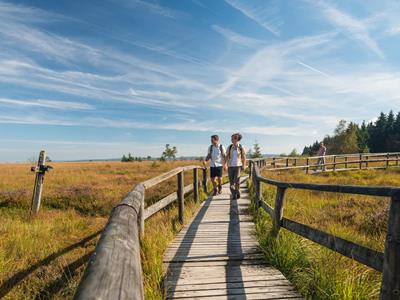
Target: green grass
[(317, 272)]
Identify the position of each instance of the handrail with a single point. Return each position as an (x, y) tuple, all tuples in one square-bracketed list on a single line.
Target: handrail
[(387, 262), (114, 270)]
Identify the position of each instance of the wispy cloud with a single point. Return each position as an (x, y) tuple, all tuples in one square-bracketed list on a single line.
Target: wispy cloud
[(354, 28), (234, 37), (54, 104), (156, 8), (265, 13)]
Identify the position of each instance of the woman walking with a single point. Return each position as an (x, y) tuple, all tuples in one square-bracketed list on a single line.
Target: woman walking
[(235, 161)]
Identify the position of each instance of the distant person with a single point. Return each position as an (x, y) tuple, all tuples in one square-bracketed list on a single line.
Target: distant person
[(235, 161), (321, 153), (216, 155)]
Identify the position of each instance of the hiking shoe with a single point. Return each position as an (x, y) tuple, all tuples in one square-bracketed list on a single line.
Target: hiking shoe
[(215, 192), (237, 195), (219, 189)]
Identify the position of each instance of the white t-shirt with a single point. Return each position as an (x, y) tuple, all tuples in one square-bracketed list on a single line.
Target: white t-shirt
[(216, 159), (235, 162)]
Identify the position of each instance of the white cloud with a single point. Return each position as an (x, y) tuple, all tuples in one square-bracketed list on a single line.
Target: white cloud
[(234, 37), (265, 13), (351, 26), (54, 104)]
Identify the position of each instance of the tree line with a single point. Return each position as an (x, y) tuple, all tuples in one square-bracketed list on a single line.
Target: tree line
[(382, 135), (168, 154)]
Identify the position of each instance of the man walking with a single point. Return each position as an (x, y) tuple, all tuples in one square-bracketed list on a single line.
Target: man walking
[(216, 155), (321, 153), (235, 161)]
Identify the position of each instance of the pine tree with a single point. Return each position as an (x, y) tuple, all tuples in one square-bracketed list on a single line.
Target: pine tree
[(363, 138), (256, 153)]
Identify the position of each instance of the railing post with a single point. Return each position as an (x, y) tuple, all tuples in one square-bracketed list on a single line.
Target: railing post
[(345, 162), (390, 287), (278, 210), (258, 193), (387, 160), (37, 190), (250, 169), (181, 197), (205, 180), (397, 159), (195, 185), (334, 163), (295, 162), (366, 161), (360, 159), (307, 165), (287, 162), (273, 162)]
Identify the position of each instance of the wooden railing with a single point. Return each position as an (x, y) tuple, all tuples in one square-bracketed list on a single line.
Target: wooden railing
[(114, 270), (387, 262), (340, 162)]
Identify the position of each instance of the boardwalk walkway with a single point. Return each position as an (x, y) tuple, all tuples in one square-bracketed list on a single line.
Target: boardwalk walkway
[(216, 256)]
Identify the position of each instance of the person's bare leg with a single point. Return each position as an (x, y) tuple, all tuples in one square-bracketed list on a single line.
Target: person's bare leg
[(219, 179), (214, 183)]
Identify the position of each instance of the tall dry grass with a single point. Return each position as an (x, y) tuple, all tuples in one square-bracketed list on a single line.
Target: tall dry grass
[(44, 257), (318, 272)]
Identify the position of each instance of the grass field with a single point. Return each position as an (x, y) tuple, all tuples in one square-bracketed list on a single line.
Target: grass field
[(320, 273), (44, 257)]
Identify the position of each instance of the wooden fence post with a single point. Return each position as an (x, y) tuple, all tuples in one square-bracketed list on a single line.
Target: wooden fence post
[(397, 159), (360, 159), (334, 163), (387, 160), (273, 162), (278, 210), (345, 162), (390, 287), (307, 165), (205, 180), (295, 162), (366, 161), (37, 190), (250, 169), (258, 193), (181, 196), (287, 162), (195, 184)]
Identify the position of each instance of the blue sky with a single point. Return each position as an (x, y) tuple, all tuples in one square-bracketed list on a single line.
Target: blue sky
[(96, 79)]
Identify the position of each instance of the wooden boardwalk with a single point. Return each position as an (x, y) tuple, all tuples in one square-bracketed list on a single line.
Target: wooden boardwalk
[(216, 256)]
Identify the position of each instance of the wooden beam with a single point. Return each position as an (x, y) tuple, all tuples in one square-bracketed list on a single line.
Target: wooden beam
[(114, 270), (366, 256), (195, 185), (267, 208), (347, 189), (205, 180), (164, 202), (158, 179)]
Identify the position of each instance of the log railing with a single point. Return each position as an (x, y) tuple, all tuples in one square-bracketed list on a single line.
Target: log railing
[(387, 262), (333, 163), (114, 271)]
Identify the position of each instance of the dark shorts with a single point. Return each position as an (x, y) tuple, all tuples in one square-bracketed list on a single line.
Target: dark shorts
[(215, 172)]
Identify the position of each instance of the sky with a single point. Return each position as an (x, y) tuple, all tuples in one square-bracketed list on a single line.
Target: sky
[(97, 79)]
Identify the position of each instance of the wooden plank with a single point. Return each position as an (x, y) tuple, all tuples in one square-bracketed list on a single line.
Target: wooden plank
[(364, 255), (164, 202), (267, 208), (349, 189)]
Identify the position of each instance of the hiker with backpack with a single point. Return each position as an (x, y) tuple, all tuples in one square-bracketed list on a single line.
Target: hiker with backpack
[(235, 161), (216, 155)]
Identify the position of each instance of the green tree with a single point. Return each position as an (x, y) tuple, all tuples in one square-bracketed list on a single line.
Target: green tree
[(169, 152), (124, 159), (256, 153), (363, 138), (294, 153)]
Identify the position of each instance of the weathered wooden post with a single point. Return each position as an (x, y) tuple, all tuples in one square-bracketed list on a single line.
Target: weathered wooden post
[(258, 193), (387, 160), (390, 287), (345, 162), (360, 159), (195, 185), (287, 162), (205, 180), (278, 210), (397, 159), (273, 162), (295, 162), (334, 163), (250, 169), (181, 197), (40, 171), (366, 161), (307, 165)]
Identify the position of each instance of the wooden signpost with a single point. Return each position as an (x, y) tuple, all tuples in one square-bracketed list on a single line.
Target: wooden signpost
[(40, 170)]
